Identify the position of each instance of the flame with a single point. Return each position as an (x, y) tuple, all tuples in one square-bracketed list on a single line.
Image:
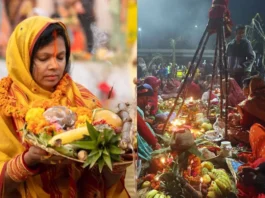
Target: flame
[(162, 160), (178, 122)]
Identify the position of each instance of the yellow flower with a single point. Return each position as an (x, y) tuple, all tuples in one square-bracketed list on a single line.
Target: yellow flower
[(34, 113), (81, 121)]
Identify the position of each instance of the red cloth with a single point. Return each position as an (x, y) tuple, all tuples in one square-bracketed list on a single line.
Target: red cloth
[(236, 94), (248, 120), (257, 140), (105, 89), (219, 10), (152, 101), (153, 81), (249, 191), (171, 87), (145, 132), (194, 90)]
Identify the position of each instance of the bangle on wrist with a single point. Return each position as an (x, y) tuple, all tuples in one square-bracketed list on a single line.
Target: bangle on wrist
[(18, 171)]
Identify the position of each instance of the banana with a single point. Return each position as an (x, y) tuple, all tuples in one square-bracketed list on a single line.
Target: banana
[(216, 189), (219, 173), (205, 171), (207, 165), (69, 136), (157, 195), (212, 175), (151, 193), (222, 186), (226, 182), (211, 194)]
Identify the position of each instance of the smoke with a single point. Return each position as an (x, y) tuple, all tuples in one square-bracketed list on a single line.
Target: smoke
[(162, 20)]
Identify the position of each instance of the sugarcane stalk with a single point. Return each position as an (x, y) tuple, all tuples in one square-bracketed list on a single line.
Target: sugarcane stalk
[(221, 70), (226, 80)]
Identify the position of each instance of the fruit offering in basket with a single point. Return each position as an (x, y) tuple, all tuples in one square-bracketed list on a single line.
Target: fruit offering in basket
[(93, 137), (218, 179)]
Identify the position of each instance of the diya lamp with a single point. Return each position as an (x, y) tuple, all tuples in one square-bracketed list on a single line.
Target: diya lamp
[(178, 123), (191, 102), (163, 160)]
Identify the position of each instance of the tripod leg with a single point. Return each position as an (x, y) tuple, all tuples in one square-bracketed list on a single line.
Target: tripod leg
[(213, 75), (183, 85), (200, 57)]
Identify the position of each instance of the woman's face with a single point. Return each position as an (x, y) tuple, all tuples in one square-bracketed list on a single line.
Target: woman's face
[(246, 91), (49, 64)]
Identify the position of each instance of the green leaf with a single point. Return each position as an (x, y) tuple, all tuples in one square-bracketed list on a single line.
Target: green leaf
[(107, 135), (94, 152), (88, 145), (101, 139), (107, 161), (164, 138), (95, 158), (65, 150), (92, 131), (88, 161), (116, 158), (101, 164), (105, 152), (115, 150), (194, 150), (115, 140), (44, 137), (87, 138), (160, 151)]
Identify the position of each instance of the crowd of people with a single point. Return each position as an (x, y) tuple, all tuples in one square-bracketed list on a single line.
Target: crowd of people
[(81, 18), (245, 100)]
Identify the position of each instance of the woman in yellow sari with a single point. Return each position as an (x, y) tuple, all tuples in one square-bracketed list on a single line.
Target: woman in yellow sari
[(38, 63)]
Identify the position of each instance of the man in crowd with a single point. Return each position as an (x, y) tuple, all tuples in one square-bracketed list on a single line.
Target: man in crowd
[(240, 56)]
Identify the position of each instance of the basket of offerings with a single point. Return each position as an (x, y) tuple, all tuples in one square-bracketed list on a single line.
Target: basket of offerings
[(92, 137)]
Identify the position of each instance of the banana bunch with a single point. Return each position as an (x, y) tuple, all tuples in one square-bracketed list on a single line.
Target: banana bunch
[(219, 180), (156, 194)]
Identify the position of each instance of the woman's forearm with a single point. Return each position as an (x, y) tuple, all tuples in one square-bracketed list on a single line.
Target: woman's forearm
[(16, 172), (9, 186)]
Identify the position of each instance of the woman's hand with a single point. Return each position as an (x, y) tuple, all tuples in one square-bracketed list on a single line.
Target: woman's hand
[(36, 155), (247, 176)]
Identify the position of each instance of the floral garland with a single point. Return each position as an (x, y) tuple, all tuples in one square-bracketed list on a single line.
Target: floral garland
[(10, 107)]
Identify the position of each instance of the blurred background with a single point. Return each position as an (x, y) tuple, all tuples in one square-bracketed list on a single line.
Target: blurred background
[(103, 44), (103, 40)]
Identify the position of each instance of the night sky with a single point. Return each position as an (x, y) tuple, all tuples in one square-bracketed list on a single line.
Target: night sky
[(161, 20)]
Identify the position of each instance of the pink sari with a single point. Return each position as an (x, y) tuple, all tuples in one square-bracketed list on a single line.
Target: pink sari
[(236, 94)]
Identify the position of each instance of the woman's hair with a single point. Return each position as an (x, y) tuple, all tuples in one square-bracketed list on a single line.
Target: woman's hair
[(256, 84), (46, 38), (259, 183)]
